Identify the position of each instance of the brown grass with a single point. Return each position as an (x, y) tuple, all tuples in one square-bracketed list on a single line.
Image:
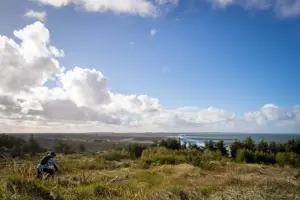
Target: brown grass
[(226, 180)]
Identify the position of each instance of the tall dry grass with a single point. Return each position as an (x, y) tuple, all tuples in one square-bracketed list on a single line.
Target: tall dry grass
[(78, 180)]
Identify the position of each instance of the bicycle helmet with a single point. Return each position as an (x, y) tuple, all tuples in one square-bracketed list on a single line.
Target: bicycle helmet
[(53, 154)]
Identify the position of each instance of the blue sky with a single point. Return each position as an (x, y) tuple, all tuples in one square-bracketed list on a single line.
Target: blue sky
[(204, 54)]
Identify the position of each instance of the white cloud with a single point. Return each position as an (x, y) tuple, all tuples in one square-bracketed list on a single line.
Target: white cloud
[(153, 32), (133, 7), (222, 3), (283, 8), (86, 87), (83, 101), (30, 105), (271, 113), (2, 107), (287, 8), (56, 52), (28, 64), (162, 2), (131, 43), (258, 4), (296, 111), (36, 15)]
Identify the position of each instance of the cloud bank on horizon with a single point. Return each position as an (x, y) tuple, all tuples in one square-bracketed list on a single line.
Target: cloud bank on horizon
[(82, 101)]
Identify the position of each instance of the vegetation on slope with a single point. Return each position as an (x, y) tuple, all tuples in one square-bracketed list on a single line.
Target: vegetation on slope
[(170, 171)]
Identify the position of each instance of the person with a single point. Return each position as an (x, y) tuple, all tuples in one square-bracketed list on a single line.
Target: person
[(45, 165)]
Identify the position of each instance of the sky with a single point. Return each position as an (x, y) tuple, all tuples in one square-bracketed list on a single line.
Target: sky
[(150, 66)]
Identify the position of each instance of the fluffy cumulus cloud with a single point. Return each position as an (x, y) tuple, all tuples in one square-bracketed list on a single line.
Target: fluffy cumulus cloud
[(86, 87), (283, 8), (30, 62), (81, 99), (271, 114), (40, 15)]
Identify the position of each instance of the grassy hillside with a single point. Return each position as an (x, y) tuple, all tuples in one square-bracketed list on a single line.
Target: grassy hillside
[(113, 175)]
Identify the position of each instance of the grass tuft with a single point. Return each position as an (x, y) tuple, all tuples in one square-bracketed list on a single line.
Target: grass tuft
[(104, 191)]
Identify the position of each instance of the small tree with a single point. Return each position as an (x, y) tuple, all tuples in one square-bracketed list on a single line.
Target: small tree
[(249, 144), (81, 148), (170, 143), (210, 145), (193, 146), (262, 146), (9, 141), (17, 151), (135, 150), (293, 146), (155, 143), (221, 147), (272, 147), (184, 145), (245, 155), (33, 147), (235, 146), (61, 147), (282, 158)]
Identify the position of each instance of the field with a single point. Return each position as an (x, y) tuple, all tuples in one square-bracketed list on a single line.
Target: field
[(96, 141), (133, 166), (113, 175)]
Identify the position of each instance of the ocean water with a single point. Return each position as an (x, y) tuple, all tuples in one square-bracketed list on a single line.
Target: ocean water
[(228, 138)]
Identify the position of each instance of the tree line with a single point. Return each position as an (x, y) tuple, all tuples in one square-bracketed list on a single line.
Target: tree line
[(246, 150), (240, 150), (17, 147)]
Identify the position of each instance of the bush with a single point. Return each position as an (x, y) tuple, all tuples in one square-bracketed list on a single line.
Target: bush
[(264, 157), (135, 150), (221, 147), (81, 148), (216, 146), (249, 144), (160, 156), (262, 146), (62, 147), (234, 147), (9, 141), (294, 159), (171, 143), (33, 147), (167, 160), (17, 186), (245, 155), (275, 147), (285, 158), (117, 155), (211, 155), (293, 146), (210, 145), (282, 158)]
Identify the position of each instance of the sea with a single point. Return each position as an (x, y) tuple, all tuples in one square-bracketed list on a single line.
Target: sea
[(228, 138)]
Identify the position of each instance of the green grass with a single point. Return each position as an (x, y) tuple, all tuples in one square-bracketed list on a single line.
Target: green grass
[(159, 174)]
